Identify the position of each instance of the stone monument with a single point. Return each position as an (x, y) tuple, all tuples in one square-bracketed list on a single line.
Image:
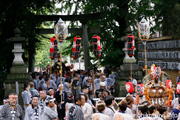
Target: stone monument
[(125, 70), (18, 72)]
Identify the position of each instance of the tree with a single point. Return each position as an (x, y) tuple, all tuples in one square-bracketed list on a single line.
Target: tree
[(20, 14), (117, 15)]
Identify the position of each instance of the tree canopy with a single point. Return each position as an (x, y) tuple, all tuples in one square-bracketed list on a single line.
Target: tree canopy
[(118, 15), (20, 14)]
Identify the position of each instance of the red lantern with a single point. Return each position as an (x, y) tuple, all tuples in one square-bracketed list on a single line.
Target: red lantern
[(96, 46), (51, 55), (178, 88), (76, 47), (157, 72), (129, 87), (53, 48), (168, 84), (130, 45), (140, 89)]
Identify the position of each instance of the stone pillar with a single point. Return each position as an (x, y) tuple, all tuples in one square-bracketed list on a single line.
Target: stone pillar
[(85, 45), (18, 71)]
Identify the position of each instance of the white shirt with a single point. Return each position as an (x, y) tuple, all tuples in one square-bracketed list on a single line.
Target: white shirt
[(157, 118), (109, 112), (123, 116), (129, 111), (87, 111), (146, 118), (101, 116), (178, 117), (1, 106), (134, 81), (175, 103)]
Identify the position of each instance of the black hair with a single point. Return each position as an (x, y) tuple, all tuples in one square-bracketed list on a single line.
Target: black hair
[(50, 88), (151, 109), (35, 96), (44, 73), (33, 76), (46, 79), (67, 80), (38, 73), (161, 109), (26, 84), (40, 77), (108, 100), (86, 97), (78, 97), (85, 87), (143, 109)]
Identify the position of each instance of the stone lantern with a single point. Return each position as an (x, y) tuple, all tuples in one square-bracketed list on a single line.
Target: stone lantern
[(18, 72)]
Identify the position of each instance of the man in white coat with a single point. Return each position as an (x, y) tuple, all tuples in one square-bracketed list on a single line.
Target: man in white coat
[(87, 109), (109, 101), (33, 112)]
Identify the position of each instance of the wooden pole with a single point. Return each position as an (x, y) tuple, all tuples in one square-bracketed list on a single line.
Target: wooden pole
[(61, 66), (145, 58), (50, 70), (99, 69), (131, 67), (93, 82), (72, 74)]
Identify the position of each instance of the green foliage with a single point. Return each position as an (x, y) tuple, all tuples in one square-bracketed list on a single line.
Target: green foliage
[(20, 14), (117, 15), (42, 51)]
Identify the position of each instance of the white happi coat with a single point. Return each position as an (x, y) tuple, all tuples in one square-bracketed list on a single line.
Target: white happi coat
[(87, 111), (30, 113), (101, 116)]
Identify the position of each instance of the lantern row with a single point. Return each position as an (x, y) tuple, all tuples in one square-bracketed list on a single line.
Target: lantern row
[(76, 47)]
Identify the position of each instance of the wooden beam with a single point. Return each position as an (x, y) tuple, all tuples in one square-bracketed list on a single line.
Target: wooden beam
[(158, 39), (93, 30), (83, 17)]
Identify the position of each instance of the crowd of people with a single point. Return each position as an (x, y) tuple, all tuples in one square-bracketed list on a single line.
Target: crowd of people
[(71, 97)]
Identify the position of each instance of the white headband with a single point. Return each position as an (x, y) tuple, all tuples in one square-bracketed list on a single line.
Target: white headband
[(50, 90)]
